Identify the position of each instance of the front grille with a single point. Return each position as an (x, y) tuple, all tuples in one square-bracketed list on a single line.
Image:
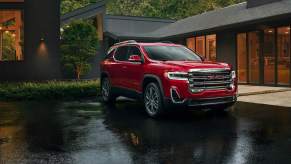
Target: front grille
[(210, 79)]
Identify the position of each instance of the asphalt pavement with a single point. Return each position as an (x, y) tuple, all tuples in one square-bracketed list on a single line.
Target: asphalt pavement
[(93, 133)]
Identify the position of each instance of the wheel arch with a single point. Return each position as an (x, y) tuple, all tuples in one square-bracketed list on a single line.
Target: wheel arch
[(152, 78)]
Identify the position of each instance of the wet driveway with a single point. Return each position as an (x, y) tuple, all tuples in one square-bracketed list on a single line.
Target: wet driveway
[(93, 133)]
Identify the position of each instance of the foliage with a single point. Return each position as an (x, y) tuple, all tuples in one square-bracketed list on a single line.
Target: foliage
[(175, 9), (70, 5), (79, 45), (53, 90), (8, 46)]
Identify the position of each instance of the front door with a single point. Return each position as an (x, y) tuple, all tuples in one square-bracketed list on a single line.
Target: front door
[(134, 71)]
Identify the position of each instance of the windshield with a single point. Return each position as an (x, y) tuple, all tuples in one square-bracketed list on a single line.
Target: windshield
[(171, 53)]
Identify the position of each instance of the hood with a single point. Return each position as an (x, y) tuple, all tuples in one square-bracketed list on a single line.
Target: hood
[(196, 64)]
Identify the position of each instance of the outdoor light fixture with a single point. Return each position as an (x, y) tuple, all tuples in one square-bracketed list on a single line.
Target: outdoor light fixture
[(1, 27), (270, 31)]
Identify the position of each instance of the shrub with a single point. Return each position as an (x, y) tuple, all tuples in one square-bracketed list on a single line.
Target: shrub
[(52, 90)]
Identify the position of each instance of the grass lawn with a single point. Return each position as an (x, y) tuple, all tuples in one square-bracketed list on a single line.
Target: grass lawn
[(52, 90)]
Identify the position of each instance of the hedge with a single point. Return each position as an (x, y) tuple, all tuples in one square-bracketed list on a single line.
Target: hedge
[(52, 90)]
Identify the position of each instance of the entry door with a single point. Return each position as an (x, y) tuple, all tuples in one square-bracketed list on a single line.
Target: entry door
[(269, 56), (254, 57)]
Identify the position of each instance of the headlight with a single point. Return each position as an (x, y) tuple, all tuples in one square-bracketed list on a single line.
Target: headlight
[(177, 75), (233, 74)]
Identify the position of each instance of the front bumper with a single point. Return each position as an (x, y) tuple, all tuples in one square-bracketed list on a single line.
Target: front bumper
[(204, 102)]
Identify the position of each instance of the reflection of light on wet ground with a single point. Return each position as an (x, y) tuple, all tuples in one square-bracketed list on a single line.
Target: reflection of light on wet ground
[(93, 133), (242, 148)]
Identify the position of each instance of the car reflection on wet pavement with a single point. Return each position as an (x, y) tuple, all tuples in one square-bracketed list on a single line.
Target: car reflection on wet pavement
[(94, 133)]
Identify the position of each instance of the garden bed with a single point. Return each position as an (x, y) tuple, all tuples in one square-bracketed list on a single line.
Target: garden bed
[(52, 90)]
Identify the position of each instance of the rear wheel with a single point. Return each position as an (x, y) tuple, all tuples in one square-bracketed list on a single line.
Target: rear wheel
[(106, 91), (153, 100)]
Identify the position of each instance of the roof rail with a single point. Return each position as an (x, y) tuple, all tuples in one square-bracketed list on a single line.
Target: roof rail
[(166, 42), (125, 42)]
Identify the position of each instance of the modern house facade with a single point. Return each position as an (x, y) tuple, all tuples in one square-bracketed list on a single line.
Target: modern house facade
[(253, 36), (29, 40)]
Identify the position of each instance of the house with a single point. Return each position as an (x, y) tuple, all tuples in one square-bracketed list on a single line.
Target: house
[(29, 40), (253, 36)]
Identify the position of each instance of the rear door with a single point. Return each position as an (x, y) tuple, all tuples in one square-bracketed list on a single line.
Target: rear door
[(119, 68)]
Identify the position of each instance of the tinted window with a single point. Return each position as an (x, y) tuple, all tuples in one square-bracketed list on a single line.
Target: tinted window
[(121, 54), (134, 51), (171, 53)]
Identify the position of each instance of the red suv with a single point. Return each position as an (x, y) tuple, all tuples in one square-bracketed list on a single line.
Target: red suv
[(165, 75)]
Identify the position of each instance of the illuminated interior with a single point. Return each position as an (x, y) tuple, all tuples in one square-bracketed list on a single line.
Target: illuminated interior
[(283, 51), (267, 58), (11, 35), (204, 46), (242, 57)]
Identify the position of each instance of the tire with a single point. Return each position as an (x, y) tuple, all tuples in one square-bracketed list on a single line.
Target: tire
[(106, 91), (153, 100)]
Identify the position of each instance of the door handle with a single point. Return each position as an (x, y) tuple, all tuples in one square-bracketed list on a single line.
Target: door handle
[(124, 67)]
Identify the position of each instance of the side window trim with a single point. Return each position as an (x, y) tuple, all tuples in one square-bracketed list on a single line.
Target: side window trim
[(116, 52), (139, 49)]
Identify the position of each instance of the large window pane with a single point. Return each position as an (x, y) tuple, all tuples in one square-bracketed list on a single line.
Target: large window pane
[(283, 48), (269, 56), (200, 45), (191, 43), (11, 35), (254, 53), (211, 47), (242, 57)]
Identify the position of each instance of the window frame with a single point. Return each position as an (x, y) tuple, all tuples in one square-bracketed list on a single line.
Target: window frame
[(16, 6)]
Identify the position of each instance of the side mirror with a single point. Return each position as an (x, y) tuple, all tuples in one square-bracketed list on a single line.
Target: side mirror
[(135, 59)]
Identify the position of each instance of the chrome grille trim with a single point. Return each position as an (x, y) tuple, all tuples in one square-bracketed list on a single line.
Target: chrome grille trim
[(209, 79)]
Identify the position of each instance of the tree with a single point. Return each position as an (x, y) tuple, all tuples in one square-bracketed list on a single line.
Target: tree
[(79, 44), (176, 9), (70, 5)]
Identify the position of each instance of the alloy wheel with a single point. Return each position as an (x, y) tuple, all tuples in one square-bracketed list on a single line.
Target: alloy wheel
[(152, 100)]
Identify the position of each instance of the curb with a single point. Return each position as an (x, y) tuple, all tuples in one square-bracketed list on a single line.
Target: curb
[(263, 92)]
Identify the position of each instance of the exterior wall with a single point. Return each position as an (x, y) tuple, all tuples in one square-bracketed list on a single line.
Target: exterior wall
[(226, 47), (41, 58)]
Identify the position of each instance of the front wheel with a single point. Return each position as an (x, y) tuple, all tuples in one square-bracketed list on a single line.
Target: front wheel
[(153, 100), (106, 91)]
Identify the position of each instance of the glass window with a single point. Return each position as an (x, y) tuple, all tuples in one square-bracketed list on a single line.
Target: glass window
[(200, 46), (171, 53), (134, 51), (121, 54), (242, 57), (11, 35), (283, 48), (269, 56), (191, 43), (211, 47), (254, 54)]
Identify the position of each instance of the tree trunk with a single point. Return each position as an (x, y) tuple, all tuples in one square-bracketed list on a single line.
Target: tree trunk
[(78, 72)]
